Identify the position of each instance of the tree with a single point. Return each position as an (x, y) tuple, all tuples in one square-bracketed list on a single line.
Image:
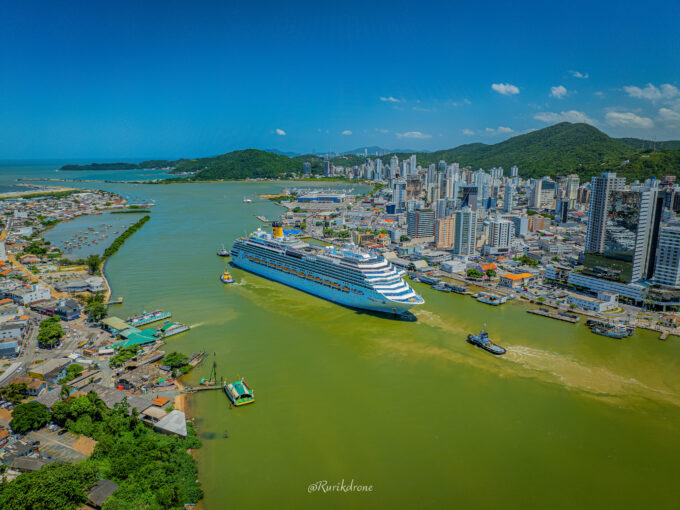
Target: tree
[(72, 372), (14, 392), (55, 486), (95, 308), (30, 416), (403, 239), (50, 332), (93, 262), (175, 359), (473, 273), (490, 273)]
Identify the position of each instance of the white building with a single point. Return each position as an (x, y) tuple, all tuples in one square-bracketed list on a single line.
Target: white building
[(465, 237), (604, 301), (667, 269)]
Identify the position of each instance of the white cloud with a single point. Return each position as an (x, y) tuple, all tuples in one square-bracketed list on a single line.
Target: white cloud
[(380, 130), (628, 119), (668, 116), (559, 92), (599, 93), (499, 130), (280, 132), (421, 109), (576, 74), (505, 88), (346, 132), (413, 134), (570, 116), (652, 93), (468, 132), (391, 99)]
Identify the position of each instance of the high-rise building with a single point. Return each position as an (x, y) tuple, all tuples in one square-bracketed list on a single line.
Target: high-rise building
[(420, 223), (500, 232), (562, 211), (521, 224), (441, 208), (399, 193), (306, 168), (379, 169), (441, 166), (630, 237), (394, 166), (328, 168), (572, 189), (469, 198), (413, 163), (465, 236), (667, 270), (413, 187), (514, 171), (597, 215), (444, 232), (508, 198), (535, 197)]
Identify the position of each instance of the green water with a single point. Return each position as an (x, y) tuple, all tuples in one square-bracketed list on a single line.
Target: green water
[(566, 419)]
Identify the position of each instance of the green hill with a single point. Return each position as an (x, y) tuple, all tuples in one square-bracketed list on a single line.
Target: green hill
[(638, 143), (249, 163)]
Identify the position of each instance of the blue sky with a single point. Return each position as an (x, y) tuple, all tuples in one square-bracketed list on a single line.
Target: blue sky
[(172, 79)]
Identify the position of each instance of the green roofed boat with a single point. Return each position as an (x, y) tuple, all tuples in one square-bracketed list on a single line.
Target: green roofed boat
[(239, 393)]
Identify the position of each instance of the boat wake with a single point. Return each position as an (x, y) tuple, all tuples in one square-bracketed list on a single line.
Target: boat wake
[(523, 361)]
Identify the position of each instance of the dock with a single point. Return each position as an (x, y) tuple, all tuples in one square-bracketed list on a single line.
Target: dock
[(202, 388), (554, 316), (263, 219), (116, 301)]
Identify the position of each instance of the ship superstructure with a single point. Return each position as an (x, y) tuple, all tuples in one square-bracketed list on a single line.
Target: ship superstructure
[(347, 275)]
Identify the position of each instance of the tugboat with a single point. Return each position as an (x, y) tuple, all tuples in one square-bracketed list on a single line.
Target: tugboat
[(482, 341), (239, 393), (226, 277), (223, 252)]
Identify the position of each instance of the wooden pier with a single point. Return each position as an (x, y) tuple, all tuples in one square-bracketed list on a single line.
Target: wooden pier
[(202, 388), (116, 301), (554, 316)]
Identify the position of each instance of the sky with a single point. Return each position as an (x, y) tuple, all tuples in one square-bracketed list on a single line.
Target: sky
[(174, 79)]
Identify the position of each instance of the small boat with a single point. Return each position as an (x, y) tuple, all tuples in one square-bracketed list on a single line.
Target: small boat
[(570, 315), (442, 287), (617, 332), (491, 299), (171, 328), (422, 277), (223, 252), (246, 200), (239, 393), (226, 277), (482, 341)]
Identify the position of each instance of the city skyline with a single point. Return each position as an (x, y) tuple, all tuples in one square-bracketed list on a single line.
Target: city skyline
[(171, 80)]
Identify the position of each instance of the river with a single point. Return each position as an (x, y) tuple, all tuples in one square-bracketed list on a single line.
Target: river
[(566, 419)]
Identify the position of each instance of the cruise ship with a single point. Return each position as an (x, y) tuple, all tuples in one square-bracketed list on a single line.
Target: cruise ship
[(348, 275)]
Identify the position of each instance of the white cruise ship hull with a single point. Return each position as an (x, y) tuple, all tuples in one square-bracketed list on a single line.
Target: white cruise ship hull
[(361, 298)]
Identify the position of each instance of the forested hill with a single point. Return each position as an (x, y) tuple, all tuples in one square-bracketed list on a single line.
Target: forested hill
[(556, 150), (144, 165), (249, 163)]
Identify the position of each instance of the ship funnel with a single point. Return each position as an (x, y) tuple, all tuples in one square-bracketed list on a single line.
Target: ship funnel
[(277, 229)]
